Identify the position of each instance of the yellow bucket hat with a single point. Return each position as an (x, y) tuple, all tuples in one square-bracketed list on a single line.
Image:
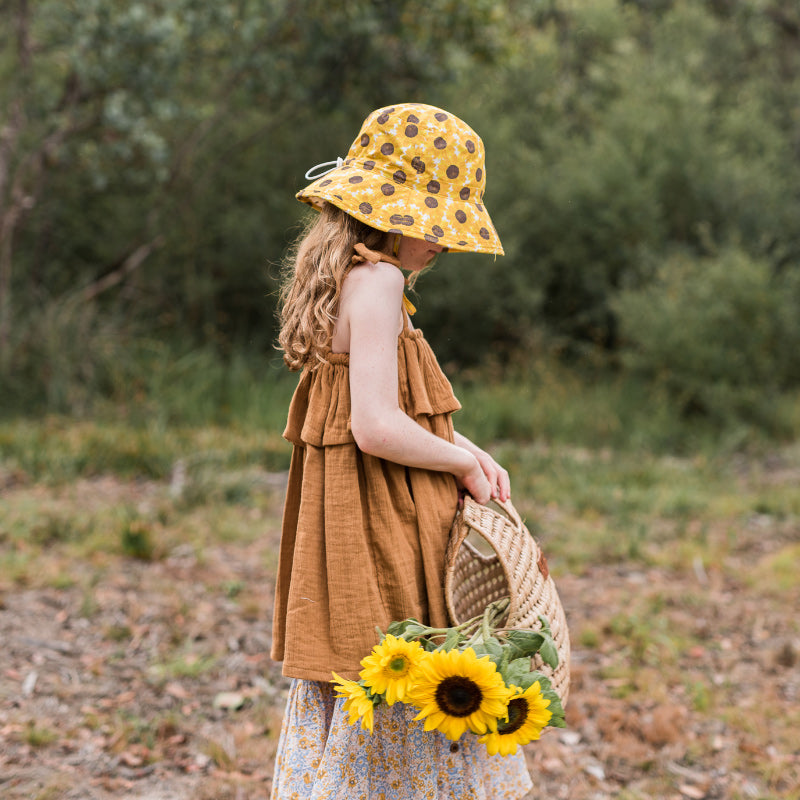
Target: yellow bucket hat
[(416, 170)]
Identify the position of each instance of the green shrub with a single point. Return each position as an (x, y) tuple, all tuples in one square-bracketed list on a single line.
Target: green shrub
[(630, 134), (720, 332)]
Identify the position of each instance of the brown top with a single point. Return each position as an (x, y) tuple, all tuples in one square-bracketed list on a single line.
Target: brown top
[(363, 539)]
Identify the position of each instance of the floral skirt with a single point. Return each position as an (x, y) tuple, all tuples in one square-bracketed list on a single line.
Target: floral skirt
[(321, 757)]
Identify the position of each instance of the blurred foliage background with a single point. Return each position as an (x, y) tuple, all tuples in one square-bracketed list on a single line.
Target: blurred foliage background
[(643, 173)]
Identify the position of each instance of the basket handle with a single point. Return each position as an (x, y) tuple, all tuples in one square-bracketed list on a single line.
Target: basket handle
[(506, 507), (514, 516), (510, 511)]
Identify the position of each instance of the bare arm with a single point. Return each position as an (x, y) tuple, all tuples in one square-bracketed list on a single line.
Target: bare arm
[(370, 311)]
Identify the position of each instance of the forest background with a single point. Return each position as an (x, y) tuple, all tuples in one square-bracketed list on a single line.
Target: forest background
[(644, 176), (634, 360)]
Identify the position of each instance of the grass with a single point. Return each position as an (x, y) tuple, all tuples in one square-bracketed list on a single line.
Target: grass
[(184, 665), (55, 789), (777, 570), (59, 449), (39, 735), (630, 477), (156, 397), (587, 506), (597, 409)]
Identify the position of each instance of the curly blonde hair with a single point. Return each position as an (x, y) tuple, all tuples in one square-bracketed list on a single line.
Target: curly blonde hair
[(314, 272)]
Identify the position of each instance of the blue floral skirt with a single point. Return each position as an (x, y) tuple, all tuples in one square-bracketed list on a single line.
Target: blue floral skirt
[(321, 757)]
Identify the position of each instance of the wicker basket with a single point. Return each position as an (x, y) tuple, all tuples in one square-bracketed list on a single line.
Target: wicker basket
[(517, 569)]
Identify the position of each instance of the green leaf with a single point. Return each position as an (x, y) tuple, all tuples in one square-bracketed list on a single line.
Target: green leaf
[(549, 652), (493, 647), (517, 672), (555, 708), (376, 697), (504, 660), (398, 629), (451, 640), (544, 681), (526, 643), (545, 623)]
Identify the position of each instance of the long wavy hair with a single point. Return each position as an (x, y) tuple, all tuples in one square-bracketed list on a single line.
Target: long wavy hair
[(314, 272)]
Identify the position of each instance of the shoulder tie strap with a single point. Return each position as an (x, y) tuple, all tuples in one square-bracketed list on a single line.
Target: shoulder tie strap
[(363, 253)]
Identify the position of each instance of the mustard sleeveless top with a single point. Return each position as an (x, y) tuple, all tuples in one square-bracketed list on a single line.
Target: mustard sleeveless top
[(363, 539)]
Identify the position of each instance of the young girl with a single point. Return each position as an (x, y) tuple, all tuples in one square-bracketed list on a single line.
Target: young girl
[(376, 464)]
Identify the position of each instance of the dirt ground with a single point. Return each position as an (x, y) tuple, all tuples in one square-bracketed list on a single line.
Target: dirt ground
[(151, 679)]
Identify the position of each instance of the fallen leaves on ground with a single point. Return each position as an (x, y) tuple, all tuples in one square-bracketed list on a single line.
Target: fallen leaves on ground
[(151, 679)]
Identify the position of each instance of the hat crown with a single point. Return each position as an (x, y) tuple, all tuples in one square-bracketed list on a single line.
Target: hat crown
[(415, 170), (424, 147)]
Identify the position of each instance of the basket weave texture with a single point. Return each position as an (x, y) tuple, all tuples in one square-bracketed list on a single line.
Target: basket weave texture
[(517, 569)]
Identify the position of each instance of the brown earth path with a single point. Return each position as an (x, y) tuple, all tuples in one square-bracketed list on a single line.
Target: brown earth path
[(152, 680)]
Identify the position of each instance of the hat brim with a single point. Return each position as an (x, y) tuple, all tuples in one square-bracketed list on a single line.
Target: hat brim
[(386, 205)]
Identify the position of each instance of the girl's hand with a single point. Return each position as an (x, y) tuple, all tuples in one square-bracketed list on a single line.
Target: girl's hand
[(496, 476), (476, 483)]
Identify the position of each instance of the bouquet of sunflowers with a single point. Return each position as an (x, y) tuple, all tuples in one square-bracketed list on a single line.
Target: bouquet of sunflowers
[(475, 677)]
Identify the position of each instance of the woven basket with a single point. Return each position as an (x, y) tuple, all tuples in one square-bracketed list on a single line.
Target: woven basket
[(517, 569)]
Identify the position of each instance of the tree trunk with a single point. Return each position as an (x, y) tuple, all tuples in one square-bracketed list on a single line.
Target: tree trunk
[(12, 200)]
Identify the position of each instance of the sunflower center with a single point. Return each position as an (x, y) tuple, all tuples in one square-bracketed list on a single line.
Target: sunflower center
[(517, 714), (458, 696), (398, 666)]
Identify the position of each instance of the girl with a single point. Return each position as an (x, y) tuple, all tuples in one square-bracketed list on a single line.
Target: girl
[(376, 464)]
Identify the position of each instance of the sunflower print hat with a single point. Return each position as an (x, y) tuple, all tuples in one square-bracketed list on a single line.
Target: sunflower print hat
[(415, 170)]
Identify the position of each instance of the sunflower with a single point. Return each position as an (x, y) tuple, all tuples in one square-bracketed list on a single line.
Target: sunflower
[(456, 690), (527, 716), (358, 701), (392, 668)]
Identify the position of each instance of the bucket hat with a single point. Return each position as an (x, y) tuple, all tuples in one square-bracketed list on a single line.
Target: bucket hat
[(415, 170)]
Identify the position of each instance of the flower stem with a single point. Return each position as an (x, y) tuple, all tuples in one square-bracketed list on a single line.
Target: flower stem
[(485, 629), (472, 629)]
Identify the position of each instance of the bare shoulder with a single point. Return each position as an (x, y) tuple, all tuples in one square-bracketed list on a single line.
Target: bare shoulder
[(372, 289), (369, 305), (380, 277)]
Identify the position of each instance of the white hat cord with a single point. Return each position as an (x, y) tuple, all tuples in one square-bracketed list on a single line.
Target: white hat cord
[(313, 174)]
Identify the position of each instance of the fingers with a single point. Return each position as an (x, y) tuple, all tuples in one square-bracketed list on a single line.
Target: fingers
[(498, 478), (488, 482), (501, 488), (503, 485)]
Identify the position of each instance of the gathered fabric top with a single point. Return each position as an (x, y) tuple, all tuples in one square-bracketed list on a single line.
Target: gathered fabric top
[(364, 539), (319, 413)]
